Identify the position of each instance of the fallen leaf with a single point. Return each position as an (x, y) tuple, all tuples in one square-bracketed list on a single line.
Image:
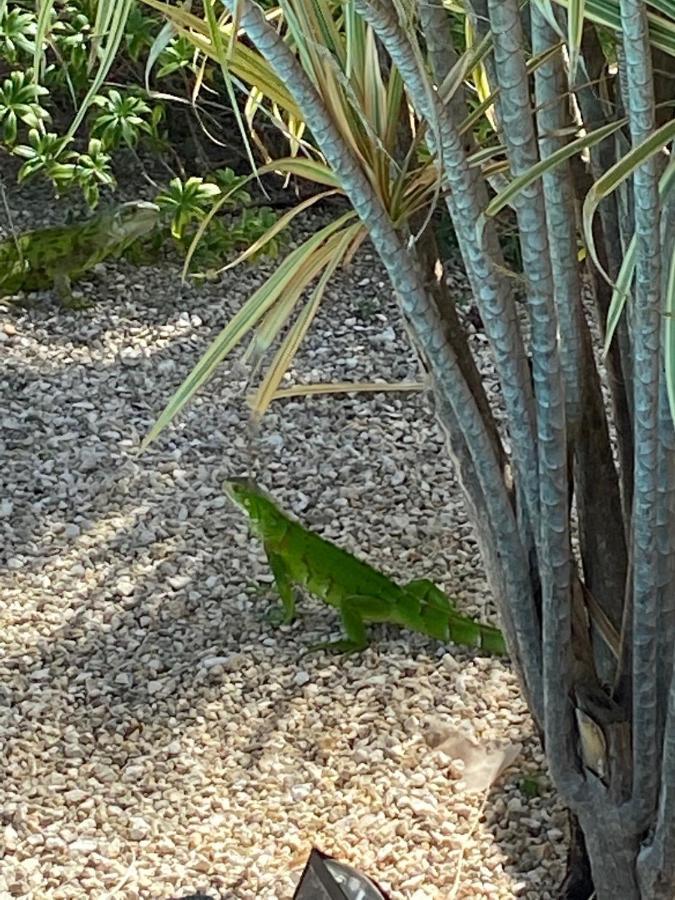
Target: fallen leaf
[(482, 765)]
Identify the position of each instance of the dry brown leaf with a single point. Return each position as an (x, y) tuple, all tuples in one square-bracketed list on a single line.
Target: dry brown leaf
[(481, 765)]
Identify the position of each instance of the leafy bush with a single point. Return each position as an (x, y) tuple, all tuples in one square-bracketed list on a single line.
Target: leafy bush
[(36, 111), (187, 205)]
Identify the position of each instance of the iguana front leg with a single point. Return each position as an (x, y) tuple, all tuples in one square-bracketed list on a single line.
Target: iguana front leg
[(354, 610), (284, 583), (64, 291)]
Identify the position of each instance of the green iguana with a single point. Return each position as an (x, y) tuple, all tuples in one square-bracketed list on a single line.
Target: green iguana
[(53, 257), (299, 557)]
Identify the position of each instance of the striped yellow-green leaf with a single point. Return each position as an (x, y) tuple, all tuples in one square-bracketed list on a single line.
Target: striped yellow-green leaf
[(311, 169), (346, 387), (108, 52), (532, 65), (311, 264), (159, 45), (245, 63), (44, 14), (617, 174), (608, 13), (338, 246), (105, 10), (480, 79), (546, 9), (546, 165), (116, 23), (281, 223), (237, 328), (224, 57), (625, 277), (575, 30)]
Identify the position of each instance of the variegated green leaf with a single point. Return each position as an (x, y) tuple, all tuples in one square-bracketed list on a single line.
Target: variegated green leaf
[(108, 52), (546, 165), (618, 173), (237, 328), (575, 30), (624, 279), (44, 8), (286, 352), (346, 387)]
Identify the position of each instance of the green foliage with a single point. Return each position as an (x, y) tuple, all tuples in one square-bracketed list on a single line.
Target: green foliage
[(35, 113), (178, 56), (232, 234), (186, 201), (122, 120), (122, 115), (230, 185), (45, 153), (93, 172), (184, 204), (140, 32), (70, 38), (17, 34), (20, 103)]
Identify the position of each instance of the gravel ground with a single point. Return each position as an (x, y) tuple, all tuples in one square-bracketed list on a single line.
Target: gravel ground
[(159, 736)]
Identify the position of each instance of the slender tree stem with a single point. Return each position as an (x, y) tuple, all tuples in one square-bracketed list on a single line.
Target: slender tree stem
[(552, 120), (494, 299), (598, 500), (481, 258), (656, 862), (647, 354), (595, 113), (555, 559)]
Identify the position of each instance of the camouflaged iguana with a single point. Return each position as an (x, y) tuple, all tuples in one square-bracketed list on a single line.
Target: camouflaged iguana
[(299, 557), (53, 257)]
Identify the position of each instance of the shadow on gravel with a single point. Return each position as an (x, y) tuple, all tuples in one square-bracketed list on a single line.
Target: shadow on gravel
[(119, 690)]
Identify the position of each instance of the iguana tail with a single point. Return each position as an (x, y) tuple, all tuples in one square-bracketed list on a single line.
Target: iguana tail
[(441, 620)]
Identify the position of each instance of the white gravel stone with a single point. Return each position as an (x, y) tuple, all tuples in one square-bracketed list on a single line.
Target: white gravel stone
[(159, 736)]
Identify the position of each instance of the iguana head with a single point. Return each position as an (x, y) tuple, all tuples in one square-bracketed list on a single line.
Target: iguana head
[(265, 516), (132, 220), (247, 495)]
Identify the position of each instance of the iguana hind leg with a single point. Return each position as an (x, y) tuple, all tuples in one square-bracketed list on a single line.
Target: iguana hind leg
[(435, 608), (468, 633), (443, 621), (284, 585), (432, 595)]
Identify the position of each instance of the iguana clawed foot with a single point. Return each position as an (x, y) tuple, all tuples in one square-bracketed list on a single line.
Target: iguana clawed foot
[(275, 615)]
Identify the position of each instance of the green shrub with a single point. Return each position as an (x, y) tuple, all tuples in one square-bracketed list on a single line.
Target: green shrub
[(36, 112)]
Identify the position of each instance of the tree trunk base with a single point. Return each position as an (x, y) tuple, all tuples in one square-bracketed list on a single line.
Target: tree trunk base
[(578, 881), (612, 849)]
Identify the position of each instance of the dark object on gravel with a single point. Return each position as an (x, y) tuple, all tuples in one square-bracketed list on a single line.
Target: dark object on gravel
[(195, 897), (325, 878)]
